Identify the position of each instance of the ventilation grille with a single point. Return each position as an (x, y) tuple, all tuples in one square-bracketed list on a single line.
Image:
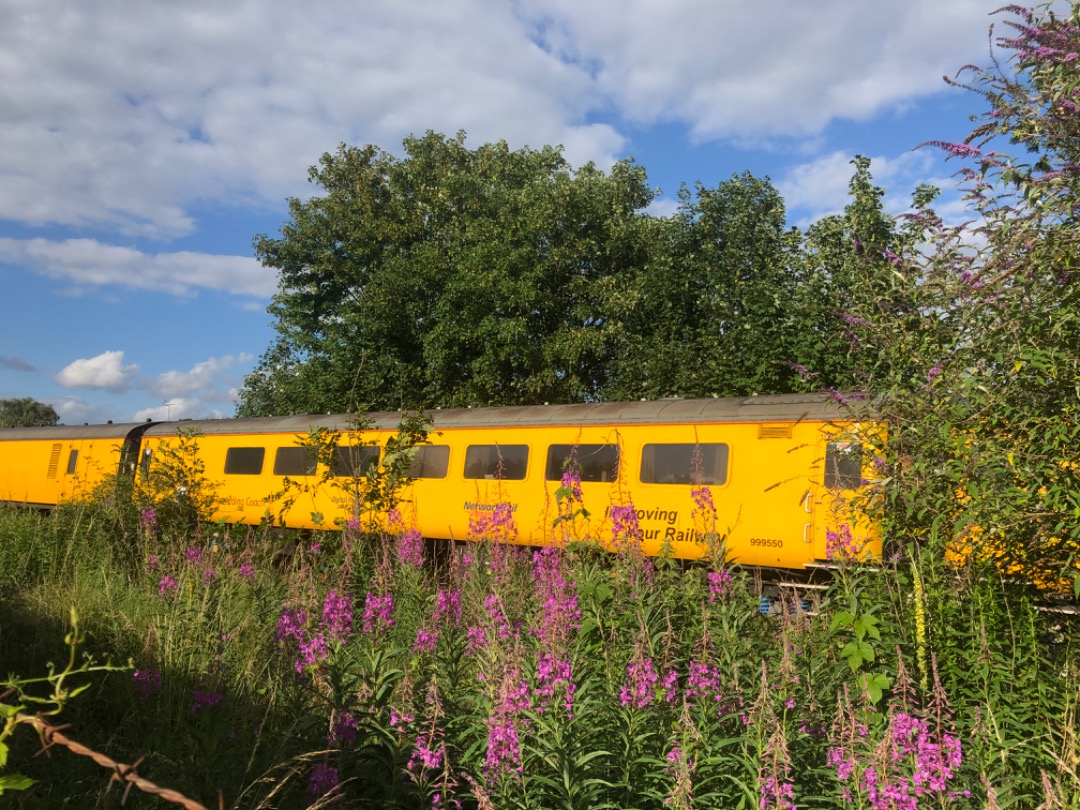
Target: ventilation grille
[(54, 460), (774, 431)]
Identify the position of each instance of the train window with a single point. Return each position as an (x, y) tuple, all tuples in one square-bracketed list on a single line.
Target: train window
[(144, 462), (596, 462), (843, 465), (295, 461), (354, 460), (73, 458), (684, 464), (506, 462), (244, 460), (430, 461)]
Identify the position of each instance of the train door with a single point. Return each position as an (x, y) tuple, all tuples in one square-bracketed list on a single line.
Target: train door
[(838, 532)]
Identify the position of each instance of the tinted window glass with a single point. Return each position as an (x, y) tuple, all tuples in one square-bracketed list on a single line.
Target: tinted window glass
[(73, 457), (354, 461), (244, 460), (144, 462), (597, 462), (295, 461), (507, 462), (843, 465), (430, 461), (684, 464)]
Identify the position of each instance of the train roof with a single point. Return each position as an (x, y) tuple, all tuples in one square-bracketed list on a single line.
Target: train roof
[(781, 408), (68, 432)]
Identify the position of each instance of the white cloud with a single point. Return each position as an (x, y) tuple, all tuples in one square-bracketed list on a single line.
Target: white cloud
[(820, 187), (124, 115), (180, 408), (90, 263), (205, 379), (105, 371), (75, 411)]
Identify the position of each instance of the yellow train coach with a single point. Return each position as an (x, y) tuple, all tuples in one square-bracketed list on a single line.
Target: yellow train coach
[(773, 475), (780, 471)]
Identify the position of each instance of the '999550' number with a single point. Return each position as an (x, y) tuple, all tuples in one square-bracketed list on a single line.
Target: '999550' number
[(766, 542)]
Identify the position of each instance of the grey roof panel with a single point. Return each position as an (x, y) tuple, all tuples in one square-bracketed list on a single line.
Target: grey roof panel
[(675, 411), (60, 433)]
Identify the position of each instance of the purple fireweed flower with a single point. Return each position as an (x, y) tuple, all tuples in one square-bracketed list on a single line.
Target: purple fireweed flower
[(703, 500), (148, 519), (378, 614), (504, 749), (323, 782), (448, 606), (208, 576), (425, 756), (571, 482), (312, 651), (559, 612), (194, 555), (702, 682), (153, 562), (496, 524), (202, 699), (554, 675), (840, 545), (410, 548), (147, 682), (246, 571), (343, 730), (337, 616), (624, 525), (426, 640), (291, 627), (719, 585), (167, 585), (639, 688)]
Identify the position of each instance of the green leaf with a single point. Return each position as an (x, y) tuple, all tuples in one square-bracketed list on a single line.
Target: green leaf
[(14, 781)]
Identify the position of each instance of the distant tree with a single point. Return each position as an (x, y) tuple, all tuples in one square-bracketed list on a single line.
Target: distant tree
[(26, 412), (450, 277)]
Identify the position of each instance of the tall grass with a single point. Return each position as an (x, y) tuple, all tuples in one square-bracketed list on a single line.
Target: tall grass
[(352, 669)]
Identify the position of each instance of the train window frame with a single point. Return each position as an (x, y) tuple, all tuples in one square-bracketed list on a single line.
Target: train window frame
[(429, 459), (496, 462), (296, 461), (241, 460), (647, 473), (370, 455), (591, 472), (842, 469), (73, 460)]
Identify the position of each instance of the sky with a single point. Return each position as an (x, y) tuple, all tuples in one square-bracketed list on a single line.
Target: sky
[(144, 145)]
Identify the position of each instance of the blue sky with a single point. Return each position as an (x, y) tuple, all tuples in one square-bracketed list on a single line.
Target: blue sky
[(143, 145)]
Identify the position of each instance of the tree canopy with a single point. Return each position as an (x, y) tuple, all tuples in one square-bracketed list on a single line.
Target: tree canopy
[(26, 412), (489, 276)]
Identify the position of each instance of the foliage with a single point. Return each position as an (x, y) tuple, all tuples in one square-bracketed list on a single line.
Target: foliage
[(451, 277), (20, 705), (26, 412), (462, 277), (976, 333)]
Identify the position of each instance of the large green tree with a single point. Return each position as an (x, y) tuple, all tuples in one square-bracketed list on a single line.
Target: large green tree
[(711, 312), (450, 277), (26, 412)]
